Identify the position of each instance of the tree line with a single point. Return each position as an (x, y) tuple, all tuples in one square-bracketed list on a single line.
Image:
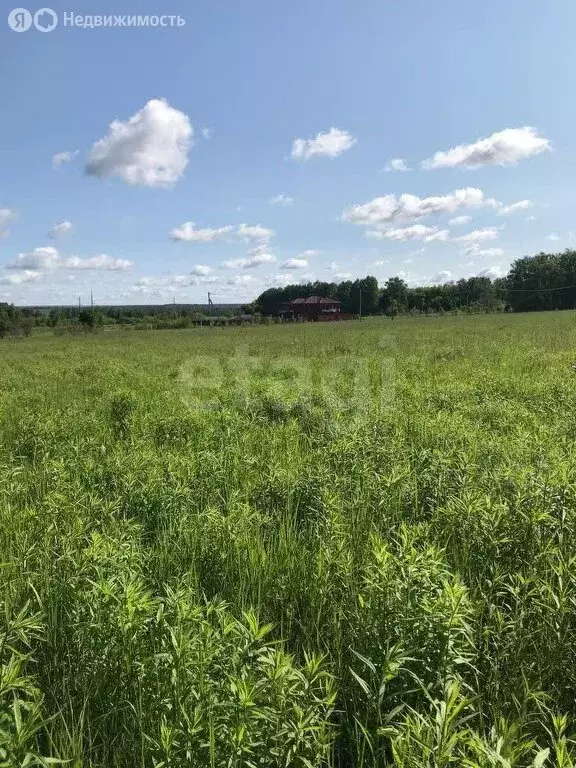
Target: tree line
[(15, 320), (546, 281), (23, 320), (395, 297)]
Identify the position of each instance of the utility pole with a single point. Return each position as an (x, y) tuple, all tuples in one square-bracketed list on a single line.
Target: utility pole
[(210, 304), (360, 292), (91, 300)]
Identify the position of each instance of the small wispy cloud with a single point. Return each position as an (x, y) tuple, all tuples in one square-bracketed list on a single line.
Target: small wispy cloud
[(60, 230), (521, 205), (63, 157), (459, 220), (281, 200), (6, 216), (257, 259), (396, 164)]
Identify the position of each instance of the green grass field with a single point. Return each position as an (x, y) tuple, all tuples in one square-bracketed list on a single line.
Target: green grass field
[(361, 552)]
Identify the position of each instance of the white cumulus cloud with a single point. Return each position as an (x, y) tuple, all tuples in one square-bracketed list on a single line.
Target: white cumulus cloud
[(492, 252), (553, 237), (241, 280), (506, 147), (256, 259), (414, 232), (39, 258), (445, 276), (279, 281), (108, 263), (235, 263), (391, 209), (254, 233), (150, 149), (493, 272), (168, 286), (48, 258), (200, 270), (294, 264), (442, 236), (328, 144), (476, 250), (478, 236), (187, 232), (17, 278)]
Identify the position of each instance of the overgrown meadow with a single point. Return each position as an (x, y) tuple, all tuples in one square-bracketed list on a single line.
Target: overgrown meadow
[(361, 552)]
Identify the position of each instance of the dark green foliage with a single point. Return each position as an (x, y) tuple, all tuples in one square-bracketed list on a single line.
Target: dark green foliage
[(543, 282)]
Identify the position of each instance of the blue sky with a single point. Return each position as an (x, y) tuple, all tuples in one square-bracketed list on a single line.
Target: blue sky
[(209, 117)]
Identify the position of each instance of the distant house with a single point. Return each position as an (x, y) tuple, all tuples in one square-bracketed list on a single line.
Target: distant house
[(315, 308)]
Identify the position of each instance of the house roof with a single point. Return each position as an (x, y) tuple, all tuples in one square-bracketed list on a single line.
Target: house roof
[(315, 300)]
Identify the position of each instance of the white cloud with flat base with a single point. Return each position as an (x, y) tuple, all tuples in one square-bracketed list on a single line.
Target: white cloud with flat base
[(188, 233), (505, 147), (48, 258), (391, 209), (294, 264), (150, 149)]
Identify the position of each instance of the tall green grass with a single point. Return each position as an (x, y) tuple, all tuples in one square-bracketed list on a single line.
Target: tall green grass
[(275, 579)]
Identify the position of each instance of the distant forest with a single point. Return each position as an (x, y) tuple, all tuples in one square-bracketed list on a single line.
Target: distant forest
[(546, 281), (542, 282)]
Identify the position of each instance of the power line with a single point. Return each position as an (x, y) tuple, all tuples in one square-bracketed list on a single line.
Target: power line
[(523, 290), (509, 290)]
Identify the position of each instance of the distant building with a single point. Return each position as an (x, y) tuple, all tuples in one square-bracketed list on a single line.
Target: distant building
[(315, 308)]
